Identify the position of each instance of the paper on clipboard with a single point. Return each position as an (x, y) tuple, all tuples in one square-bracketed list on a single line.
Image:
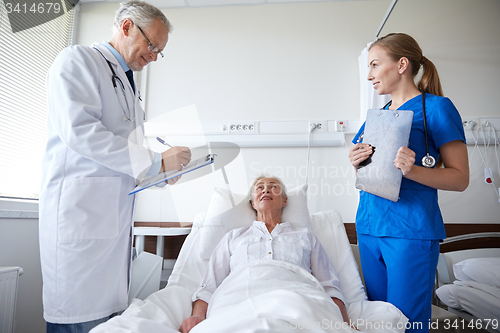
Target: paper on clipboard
[(165, 176), (386, 131)]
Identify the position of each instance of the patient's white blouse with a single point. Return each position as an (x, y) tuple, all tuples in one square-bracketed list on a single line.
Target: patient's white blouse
[(240, 247)]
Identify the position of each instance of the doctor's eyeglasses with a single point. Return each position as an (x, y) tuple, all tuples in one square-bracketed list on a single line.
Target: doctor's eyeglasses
[(151, 47)]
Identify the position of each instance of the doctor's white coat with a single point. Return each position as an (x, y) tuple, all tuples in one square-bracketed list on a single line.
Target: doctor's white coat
[(92, 160)]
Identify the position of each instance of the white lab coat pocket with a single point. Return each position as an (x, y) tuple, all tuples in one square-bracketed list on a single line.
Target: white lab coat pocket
[(88, 208)]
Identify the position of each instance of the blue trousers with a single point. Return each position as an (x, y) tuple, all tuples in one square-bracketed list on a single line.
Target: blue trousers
[(402, 272), (76, 327)]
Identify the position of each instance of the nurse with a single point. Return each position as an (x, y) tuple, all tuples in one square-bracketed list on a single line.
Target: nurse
[(399, 241), (93, 159)]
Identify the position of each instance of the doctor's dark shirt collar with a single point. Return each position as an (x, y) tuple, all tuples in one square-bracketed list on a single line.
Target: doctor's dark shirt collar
[(117, 55)]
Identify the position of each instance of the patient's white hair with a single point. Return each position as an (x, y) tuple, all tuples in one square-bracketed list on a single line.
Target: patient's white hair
[(250, 192), (141, 13)]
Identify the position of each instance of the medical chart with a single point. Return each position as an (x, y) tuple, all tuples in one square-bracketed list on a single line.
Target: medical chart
[(165, 176)]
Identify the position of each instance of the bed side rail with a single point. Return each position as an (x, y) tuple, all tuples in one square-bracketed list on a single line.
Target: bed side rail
[(443, 269), (444, 272)]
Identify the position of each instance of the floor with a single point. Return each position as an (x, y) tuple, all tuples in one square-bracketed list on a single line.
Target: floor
[(447, 322)]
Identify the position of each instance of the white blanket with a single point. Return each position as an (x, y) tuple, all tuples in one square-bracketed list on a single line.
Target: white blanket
[(161, 312), (270, 296), (276, 296)]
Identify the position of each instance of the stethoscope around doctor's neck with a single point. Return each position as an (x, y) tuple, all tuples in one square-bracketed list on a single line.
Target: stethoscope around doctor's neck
[(428, 161), (115, 79)]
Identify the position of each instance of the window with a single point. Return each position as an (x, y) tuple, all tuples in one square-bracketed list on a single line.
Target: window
[(25, 58)]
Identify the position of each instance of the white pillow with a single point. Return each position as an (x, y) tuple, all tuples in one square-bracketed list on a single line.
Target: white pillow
[(223, 217), (329, 228), (483, 270), (446, 294), (189, 268)]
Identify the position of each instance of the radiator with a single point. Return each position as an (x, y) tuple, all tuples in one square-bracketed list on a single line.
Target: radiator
[(9, 277)]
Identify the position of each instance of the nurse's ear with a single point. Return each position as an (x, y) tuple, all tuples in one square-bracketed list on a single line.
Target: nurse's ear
[(403, 65)]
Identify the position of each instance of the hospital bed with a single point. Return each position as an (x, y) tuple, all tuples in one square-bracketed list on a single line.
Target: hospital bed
[(289, 305), (468, 284)]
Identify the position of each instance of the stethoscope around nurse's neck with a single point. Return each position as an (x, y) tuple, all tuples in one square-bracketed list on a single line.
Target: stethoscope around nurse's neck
[(115, 79), (428, 161)]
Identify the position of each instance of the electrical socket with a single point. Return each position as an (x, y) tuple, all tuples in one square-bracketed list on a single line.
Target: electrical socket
[(340, 125), (242, 127), (321, 125), (469, 124)]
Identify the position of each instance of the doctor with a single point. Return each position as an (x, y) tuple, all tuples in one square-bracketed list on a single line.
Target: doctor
[(93, 159)]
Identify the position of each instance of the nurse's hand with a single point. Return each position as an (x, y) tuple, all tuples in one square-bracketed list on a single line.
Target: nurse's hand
[(405, 160), (175, 158), (189, 323), (359, 152)]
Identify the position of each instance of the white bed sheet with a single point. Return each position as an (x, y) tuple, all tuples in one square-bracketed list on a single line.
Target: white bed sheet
[(290, 299), (480, 302), (165, 310)]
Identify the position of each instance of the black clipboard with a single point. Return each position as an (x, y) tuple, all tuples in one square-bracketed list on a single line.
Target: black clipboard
[(386, 131)]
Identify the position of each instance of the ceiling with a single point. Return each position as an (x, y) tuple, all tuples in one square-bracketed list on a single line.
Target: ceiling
[(208, 3)]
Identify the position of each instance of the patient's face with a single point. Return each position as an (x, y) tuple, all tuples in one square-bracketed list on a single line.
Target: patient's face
[(268, 195)]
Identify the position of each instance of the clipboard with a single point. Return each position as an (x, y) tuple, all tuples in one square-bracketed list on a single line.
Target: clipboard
[(386, 131), (165, 176)]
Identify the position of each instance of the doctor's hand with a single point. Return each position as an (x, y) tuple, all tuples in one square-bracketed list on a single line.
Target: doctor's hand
[(359, 152), (173, 180), (189, 323), (175, 158), (405, 160)]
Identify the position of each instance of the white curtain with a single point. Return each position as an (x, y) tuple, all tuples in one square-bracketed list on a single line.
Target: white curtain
[(369, 99)]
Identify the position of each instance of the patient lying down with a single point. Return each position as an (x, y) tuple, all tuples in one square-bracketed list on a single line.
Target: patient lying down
[(264, 258)]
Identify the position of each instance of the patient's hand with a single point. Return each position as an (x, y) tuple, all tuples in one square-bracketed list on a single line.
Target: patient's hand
[(343, 311), (189, 323), (198, 315)]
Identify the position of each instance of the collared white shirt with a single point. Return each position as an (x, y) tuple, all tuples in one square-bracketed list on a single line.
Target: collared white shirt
[(240, 247)]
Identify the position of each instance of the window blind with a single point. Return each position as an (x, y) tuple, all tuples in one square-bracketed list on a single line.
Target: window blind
[(25, 58)]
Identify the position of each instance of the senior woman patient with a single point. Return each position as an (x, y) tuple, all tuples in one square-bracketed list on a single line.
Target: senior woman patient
[(268, 238)]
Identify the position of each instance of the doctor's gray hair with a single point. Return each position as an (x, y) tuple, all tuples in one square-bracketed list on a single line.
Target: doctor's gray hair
[(250, 192), (141, 13)]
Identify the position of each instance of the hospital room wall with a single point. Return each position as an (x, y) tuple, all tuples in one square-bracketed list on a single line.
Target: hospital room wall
[(19, 247), (300, 61)]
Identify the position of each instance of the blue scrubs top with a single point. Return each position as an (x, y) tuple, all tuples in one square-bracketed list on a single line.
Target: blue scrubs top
[(416, 215)]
